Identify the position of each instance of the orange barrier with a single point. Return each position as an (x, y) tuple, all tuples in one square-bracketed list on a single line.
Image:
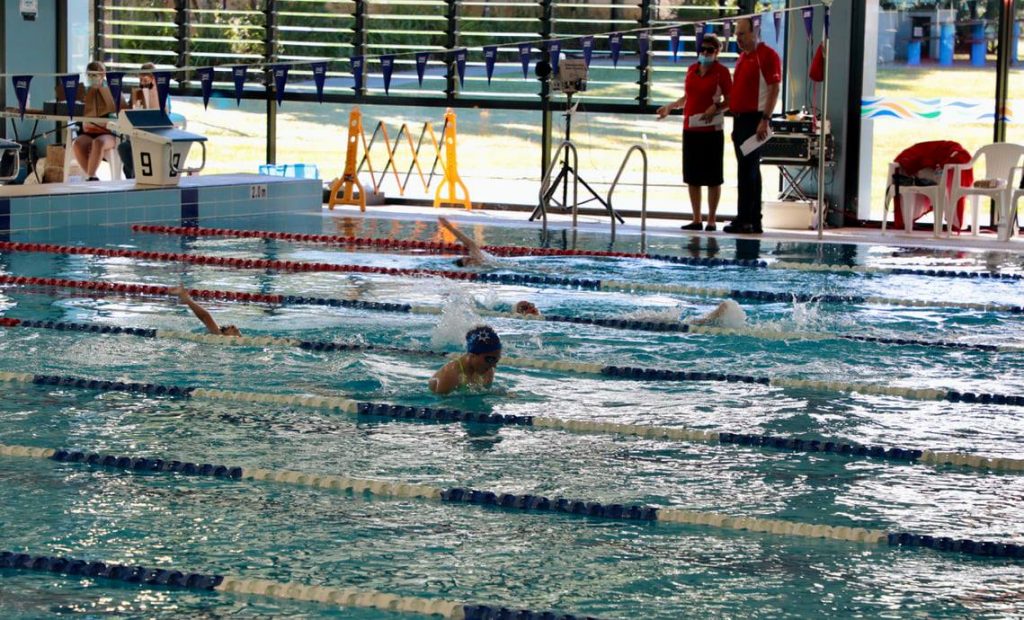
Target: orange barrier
[(348, 182), (451, 168)]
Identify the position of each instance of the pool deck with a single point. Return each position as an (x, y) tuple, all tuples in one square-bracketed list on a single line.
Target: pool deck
[(668, 228)]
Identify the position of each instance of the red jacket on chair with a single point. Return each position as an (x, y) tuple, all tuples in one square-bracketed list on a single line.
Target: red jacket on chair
[(936, 154)]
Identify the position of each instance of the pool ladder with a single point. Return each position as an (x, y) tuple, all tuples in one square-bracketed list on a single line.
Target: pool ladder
[(570, 150)]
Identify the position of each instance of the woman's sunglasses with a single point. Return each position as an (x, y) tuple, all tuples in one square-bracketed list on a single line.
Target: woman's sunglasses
[(709, 50)]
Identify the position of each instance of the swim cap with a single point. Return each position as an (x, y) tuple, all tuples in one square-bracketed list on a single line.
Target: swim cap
[(482, 339)]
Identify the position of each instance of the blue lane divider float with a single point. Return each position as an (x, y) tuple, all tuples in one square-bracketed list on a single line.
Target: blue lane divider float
[(535, 503), (117, 572), (448, 415)]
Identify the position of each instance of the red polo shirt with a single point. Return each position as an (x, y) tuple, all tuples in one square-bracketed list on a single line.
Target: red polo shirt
[(753, 74), (703, 90)]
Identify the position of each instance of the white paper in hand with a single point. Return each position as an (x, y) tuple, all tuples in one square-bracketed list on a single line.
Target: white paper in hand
[(697, 120), (753, 143)]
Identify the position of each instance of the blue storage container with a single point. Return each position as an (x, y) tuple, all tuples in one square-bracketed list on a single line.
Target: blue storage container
[(295, 171)]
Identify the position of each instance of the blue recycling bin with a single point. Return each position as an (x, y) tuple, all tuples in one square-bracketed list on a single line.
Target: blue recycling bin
[(947, 34), (914, 53), (978, 44)]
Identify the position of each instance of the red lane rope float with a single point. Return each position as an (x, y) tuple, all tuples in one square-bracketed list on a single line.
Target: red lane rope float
[(226, 261), (430, 246), (131, 289)]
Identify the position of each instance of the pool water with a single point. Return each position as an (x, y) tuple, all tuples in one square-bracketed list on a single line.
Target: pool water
[(605, 568)]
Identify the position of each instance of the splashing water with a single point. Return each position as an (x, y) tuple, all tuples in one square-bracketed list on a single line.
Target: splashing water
[(458, 316)]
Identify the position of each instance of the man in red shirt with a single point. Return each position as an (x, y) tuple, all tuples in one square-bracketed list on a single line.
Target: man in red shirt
[(756, 81), (705, 96)]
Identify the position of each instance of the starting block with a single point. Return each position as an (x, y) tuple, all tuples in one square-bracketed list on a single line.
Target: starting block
[(159, 150), (10, 160)]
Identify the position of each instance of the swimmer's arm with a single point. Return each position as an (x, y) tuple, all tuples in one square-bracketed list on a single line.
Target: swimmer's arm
[(201, 313), (445, 380), (710, 317), (471, 246)]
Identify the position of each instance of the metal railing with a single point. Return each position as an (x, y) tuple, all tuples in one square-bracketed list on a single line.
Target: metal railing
[(611, 190), (545, 184)]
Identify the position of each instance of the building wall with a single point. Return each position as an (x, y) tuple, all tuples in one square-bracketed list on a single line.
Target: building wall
[(30, 47)]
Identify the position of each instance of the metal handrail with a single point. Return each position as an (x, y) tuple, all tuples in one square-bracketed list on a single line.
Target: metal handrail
[(545, 183), (611, 190)]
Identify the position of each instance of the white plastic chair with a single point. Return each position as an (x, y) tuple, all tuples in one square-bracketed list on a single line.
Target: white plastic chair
[(1016, 193), (908, 198), (111, 157), (1000, 160)]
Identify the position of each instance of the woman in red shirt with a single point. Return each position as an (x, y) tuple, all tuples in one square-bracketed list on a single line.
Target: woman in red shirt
[(705, 98)]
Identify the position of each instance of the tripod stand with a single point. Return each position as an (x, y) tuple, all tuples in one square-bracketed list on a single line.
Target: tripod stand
[(562, 180)]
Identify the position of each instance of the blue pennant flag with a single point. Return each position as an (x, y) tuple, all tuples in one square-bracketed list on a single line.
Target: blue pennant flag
[(163, 87), (319, 77), (356, 62), (460, 66), (808, 14), (828, 12), (615, 44), (726, 33), (421, 65), (115, 82), (698, 35), (21, 86), (490, 56), (756, 21), (238, 75), (673, 43), (777, 16), (524, 58), (280, 79), (643, 43), (205, 83), (387, 66), (554, 51), (70, 84), (587, 43)]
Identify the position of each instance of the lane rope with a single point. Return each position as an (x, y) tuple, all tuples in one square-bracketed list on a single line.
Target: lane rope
[(448, 415), (202, 582), (512, 251), (501, 278), (527, 502), (611, 323)]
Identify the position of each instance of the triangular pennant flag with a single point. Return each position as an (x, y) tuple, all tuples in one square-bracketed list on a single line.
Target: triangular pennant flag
[(387, 66), (319, 77), (615, 45), (238, 75), (356, 63), (524, 58), (70, 84), (643, 44), (490, 56), (205, 83), (21, 86), (808, 14), (698, 35), (163, 87), (587, 43), (777, 16), (115, 82), (756, 22), (554, 51), (421, 65), (280, 79), (828, 13), (673, 43), (460, 66), (726, 33)]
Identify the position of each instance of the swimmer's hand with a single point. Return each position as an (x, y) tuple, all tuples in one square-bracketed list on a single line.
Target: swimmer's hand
[(180, 292)]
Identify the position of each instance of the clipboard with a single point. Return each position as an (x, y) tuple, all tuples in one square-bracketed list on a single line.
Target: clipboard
[(753, 143), (695, 121)]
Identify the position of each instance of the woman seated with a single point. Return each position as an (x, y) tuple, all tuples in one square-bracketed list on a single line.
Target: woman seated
[(95, 141)]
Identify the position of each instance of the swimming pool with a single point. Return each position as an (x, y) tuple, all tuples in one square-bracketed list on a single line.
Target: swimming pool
[(609, 568)]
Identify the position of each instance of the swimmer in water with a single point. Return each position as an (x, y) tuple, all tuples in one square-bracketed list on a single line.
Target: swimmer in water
[(525, 308), (476, 256), (728, 314), (475, 367), (202, 314)]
